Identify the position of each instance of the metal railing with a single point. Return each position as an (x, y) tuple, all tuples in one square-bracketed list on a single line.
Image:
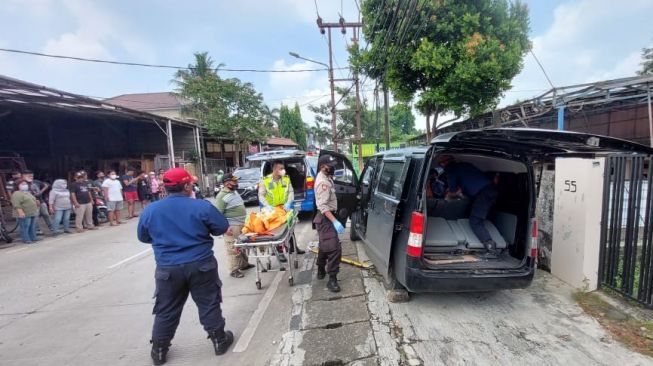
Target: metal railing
[(626, 256)]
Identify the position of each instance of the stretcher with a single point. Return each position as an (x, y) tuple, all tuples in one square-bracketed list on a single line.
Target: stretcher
[(263, 247)]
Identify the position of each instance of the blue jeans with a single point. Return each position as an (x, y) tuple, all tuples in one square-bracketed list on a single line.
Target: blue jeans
[(28, 228), (58, 215)]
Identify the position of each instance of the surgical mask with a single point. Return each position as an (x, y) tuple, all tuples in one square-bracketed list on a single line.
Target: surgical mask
[(23, 187), (113, 176), (282, 172)]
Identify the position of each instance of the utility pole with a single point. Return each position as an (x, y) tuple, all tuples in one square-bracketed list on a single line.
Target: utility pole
[(326, 28), (386, 122)]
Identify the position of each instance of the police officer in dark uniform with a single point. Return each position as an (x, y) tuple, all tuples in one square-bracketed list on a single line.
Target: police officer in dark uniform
[(179, 229), (326, 223)]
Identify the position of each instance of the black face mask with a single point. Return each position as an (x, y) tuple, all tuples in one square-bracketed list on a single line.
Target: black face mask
[(330, 170)]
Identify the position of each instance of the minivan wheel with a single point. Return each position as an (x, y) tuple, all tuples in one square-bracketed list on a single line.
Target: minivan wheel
[(395, 291), (353, 234)]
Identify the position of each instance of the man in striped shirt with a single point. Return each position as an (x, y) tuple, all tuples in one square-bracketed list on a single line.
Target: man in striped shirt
[(231, 205)]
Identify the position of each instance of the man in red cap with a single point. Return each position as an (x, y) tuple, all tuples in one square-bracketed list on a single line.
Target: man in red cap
[(179, 229)]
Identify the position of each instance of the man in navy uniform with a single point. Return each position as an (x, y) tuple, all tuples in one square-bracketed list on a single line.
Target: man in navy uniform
[(179, 229), (467, 180)]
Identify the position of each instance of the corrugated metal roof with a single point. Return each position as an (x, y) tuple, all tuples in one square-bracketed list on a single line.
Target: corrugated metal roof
[(281, 141), (14, 93), (148, 101)]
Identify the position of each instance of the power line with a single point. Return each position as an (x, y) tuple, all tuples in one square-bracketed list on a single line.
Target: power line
[(542, 68), (123, 63)]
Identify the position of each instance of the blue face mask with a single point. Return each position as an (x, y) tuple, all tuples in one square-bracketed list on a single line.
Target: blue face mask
[(23, 187)]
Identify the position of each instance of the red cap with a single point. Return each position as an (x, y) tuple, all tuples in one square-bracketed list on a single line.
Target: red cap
[(176, 176)]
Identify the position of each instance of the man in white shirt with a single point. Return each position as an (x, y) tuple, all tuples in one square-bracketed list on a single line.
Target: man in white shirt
[(113, 193)]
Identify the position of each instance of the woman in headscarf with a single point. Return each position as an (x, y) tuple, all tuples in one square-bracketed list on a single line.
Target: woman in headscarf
[(26, 211), (60, 206)]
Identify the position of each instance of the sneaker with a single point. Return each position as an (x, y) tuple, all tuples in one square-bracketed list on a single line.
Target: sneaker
[(236, 274), (248, 266)]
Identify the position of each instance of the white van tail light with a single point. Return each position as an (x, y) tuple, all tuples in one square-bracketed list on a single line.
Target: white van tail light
[(533, 253), (415, 237)]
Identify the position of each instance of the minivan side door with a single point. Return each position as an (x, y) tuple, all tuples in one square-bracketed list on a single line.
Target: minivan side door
[(369, 176), (385, 199)]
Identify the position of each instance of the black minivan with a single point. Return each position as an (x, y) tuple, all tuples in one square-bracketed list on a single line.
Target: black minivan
[(424, 243)]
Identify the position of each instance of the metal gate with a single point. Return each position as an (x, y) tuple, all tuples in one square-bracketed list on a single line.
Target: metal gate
[(626, 256)]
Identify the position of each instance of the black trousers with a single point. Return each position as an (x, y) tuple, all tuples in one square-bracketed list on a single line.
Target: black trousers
[(94, 214), (174, 283), (329, 244)]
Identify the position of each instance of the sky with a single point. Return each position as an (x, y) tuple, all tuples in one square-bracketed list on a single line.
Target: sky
[(577, 41)]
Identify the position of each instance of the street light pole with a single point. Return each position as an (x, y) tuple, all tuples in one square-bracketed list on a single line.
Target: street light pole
[(333, 90)]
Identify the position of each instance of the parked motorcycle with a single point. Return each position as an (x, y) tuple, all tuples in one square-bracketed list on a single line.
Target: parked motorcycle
[(103, 211)]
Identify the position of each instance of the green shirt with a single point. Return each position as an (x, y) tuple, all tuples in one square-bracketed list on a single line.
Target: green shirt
[(231, 205), (26, 202)]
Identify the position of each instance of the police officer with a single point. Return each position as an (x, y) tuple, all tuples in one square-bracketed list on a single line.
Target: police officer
[(179, 229), (326, 223)]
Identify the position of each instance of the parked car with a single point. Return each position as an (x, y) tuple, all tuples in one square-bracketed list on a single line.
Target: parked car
[(248, 180), (426, 244), (298, 170)]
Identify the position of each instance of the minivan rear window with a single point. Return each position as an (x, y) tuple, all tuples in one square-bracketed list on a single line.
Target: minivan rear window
[(390, 181)]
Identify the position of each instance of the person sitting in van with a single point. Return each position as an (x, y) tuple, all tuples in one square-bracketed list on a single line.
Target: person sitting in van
[(464, 179), (436, 187)]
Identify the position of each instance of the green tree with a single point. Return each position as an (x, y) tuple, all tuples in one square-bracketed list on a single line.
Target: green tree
[(292, 126), (647, 64), (402, 122), (452, 55), (225, 107)]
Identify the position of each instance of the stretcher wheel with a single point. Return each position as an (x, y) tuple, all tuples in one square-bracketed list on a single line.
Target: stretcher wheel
[(296, 264), (290, 281), (258, 285)]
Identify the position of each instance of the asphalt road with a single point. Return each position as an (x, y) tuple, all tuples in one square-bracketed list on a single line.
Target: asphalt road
[(86, 299)]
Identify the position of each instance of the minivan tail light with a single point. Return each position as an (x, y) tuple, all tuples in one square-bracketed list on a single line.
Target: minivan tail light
[(310, 183), (414, 248), (533, 253)]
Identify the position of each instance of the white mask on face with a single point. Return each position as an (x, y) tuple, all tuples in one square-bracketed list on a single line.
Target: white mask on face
[(113, 176), (282, 172), (23, 187)]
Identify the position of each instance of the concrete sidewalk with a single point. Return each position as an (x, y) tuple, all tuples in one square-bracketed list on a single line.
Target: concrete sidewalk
[(347, 328)]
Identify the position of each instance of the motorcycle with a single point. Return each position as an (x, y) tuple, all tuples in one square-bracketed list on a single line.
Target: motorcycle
[(102, 210)]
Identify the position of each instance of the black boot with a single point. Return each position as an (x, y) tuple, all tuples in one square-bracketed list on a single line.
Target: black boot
[(159, 352), (321, 272), (221, 341), (332, 285)]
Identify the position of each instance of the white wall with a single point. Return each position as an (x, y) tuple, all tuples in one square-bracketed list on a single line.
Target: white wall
[(577, 221)]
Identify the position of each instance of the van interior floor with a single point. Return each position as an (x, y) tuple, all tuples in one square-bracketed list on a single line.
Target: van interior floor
[(471, 261)]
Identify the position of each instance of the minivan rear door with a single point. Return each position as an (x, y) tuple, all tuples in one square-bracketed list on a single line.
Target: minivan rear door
[(538, 142), (345, 183)]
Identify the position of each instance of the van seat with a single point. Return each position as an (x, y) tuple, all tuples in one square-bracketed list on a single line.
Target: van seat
[(449, 209), (472, 240), (439, 233)]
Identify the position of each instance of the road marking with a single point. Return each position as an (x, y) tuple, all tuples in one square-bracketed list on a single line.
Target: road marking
[(130, 258), (17, 250), (248, 333)]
